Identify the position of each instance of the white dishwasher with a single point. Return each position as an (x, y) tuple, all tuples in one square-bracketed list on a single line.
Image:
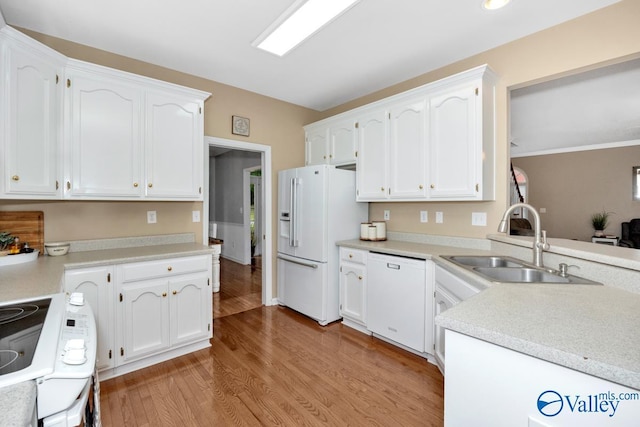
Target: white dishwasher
[(396, 299)]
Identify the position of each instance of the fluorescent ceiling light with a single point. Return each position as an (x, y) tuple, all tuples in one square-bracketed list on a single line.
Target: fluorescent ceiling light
[(494, 4), (299, 22)]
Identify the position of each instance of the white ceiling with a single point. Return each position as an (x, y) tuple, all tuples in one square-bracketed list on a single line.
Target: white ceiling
[(374, 45), (597, 108)]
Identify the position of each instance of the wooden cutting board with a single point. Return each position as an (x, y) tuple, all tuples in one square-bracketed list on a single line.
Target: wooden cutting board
[(28, 226)]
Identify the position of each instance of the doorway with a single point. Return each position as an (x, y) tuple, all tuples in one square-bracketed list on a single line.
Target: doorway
[(264, 215)]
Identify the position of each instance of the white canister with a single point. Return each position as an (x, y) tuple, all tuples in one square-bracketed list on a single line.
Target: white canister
[(364, 230), (381, 229), (372, 232)]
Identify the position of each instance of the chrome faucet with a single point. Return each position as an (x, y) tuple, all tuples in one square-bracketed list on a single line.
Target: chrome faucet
[(540, 241)]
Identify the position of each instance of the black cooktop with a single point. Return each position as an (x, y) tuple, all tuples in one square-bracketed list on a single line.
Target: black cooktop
[(20, 326)]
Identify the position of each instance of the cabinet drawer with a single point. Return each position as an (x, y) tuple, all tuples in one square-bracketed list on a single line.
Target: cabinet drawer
[(454, 285), (166, 267), (353, 255)]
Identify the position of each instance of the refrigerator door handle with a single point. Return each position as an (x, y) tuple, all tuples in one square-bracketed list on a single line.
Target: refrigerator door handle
[(304, 264), (293, 233)]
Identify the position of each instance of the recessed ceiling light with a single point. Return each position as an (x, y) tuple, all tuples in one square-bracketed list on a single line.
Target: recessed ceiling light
[(494, 4), (300, 21)]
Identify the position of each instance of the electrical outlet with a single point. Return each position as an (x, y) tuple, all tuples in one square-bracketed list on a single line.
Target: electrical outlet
[(387, 215), (543, 210), (424, 216), (195, 216), (479, 218), (439, 217), (152, 217)]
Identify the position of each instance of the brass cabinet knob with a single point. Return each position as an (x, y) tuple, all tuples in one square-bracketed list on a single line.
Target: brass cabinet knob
[(150, 185), (420, 187), (381, 188), (174, 292), (135, 184), (169, 268), (15, 178), (164, 294), (350, 255), (433, 186), (68, 185), (359, 277)]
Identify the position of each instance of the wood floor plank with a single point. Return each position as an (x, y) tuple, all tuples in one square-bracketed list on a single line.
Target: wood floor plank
[(271, 366)]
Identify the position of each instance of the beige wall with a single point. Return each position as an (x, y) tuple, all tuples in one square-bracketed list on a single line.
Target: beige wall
[(573, 186), (607, 35)]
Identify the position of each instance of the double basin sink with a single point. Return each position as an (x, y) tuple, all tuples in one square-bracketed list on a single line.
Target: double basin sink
[(504, 269)]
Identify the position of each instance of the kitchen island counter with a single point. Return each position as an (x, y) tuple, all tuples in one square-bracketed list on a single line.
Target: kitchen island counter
[(44, 276)]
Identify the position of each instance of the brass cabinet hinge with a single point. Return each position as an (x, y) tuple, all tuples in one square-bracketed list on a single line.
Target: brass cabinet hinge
[(57, 79), (340, 269), (208, 326), (110, 355), (121, 297), (121, 351), (199, 190), (356, 154), (208, 282), (108, 277), (357, 125), (477, 188), (477, 91), (57, 184), (68, 82), (200, 110)]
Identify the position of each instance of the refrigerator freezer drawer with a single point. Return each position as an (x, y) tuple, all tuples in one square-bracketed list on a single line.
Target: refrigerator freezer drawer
[(302, 286)]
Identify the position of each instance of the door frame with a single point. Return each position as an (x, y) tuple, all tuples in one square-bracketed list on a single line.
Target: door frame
[(247, 180), (267, 253)]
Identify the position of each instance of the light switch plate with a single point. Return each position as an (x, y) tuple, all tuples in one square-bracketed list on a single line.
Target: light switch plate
[(424, 216), (439, 217), (195, 216), (152, 217), (387, 215)]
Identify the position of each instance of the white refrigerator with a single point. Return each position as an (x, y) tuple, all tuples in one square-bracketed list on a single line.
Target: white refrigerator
[(316, 208)]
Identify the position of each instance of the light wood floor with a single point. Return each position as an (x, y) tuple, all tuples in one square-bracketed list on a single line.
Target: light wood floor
[(240, 288), (271, 366)]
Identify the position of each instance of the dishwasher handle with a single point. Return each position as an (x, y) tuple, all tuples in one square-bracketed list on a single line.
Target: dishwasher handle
[(393, 266)]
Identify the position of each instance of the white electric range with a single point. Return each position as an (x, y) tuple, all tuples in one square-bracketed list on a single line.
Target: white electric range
[(52, 341)]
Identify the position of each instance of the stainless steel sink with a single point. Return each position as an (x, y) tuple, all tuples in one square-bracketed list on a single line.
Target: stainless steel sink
[(504, 269), (485, 261)]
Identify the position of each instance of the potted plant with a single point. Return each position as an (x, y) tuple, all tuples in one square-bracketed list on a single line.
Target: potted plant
[(600, 220), (6, 240)]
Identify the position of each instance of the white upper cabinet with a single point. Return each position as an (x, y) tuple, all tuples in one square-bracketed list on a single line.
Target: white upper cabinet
[(407, 148), (30, 98), (432, 143), (460, 143), (103, 134), (331, 142), (75, 130), (173, 146), (372, 169)]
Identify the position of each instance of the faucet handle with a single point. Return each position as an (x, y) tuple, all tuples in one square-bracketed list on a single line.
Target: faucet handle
[(543, 242)]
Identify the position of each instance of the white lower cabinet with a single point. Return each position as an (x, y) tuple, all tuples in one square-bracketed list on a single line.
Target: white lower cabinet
[(162, 305), (147, 312), (97, 286), (353, 286), (449, 291)]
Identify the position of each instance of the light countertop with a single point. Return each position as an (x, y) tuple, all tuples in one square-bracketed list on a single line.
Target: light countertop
[(590, 328), (44, 276)]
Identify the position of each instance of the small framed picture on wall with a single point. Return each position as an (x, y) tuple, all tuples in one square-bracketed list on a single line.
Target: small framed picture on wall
[(240, 125)]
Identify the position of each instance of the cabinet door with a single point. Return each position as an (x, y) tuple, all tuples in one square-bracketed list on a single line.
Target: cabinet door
[(455, 141), (173, 146), (189, 308), (97, 287), (104, 134), (343, 142), (316, 146), (353, 292), (371, 170), (407, 150), (443, 302), (32, 103), (145, 319)]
